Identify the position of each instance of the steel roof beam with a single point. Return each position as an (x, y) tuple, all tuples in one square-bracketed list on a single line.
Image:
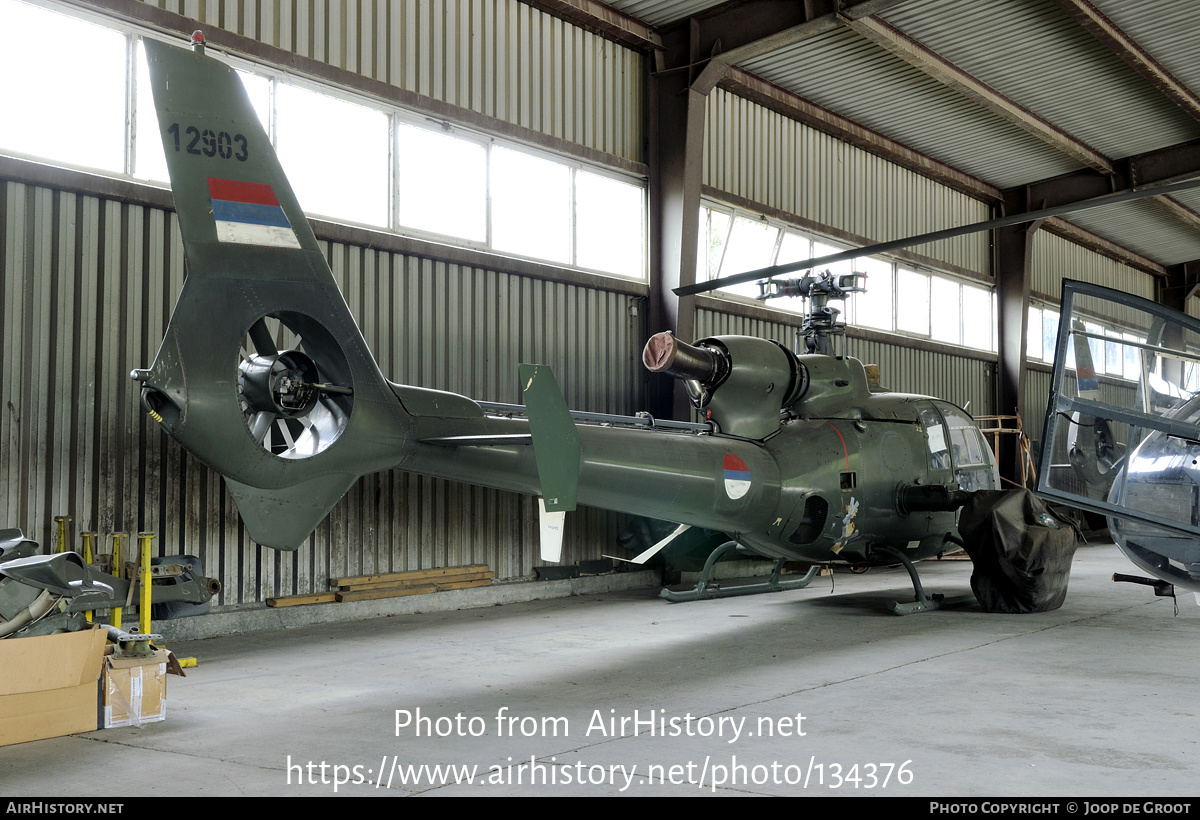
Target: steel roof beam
[(1013, 266), (1151, 169), (709, 45), (693, 56), (742, 30), (1106, 247), (1178, 210), (1107, 32), (935, 66), (734, 32), (601, 19)]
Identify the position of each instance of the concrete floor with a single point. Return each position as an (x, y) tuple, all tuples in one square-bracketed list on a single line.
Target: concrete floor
[(1094, 699)]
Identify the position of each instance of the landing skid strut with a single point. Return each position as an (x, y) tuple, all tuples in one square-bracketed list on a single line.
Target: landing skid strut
[(924, 602), (707, 588)]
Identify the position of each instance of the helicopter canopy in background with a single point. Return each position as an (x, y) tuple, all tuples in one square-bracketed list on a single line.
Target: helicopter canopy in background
[(1122, 433)]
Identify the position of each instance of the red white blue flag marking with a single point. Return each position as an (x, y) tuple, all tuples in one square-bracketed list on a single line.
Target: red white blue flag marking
[(737, 476), (247, 213), (1088, 384)]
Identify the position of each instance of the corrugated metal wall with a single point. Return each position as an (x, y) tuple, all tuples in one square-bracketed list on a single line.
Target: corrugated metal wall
[(721, 323), (88, 285), (957, 378), (765, 157), (501, 58), (966, 381), (1037, 394), (1056, 259)]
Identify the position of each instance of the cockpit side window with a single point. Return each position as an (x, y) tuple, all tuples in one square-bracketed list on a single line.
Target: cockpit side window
[(968, 450)]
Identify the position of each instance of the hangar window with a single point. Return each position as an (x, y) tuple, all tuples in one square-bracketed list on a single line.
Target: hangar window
[(1111, 356), (750, 244), (442, 183), (875, 307), (335, 153), (1041, 332), (610, 216), (455, 184), (978, 317), (338, 149), (912, 303), (54, 109), (531, 205)]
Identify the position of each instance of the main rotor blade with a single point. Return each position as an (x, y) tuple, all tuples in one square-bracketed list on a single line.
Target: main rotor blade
[(946, 233), (260, 335)]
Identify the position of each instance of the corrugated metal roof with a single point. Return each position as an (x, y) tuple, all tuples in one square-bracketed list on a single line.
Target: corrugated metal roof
[(855, 78), (1036, 55), (662, 12), (1033, 53), (1167, 29), (1144, 227), (1189, 198)]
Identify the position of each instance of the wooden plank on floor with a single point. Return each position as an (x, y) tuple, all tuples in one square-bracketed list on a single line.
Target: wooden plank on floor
[(298, 600), (460, 576), (400, 591), (405, 577)]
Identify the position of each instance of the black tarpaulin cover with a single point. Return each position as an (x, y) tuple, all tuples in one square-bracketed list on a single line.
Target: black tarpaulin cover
[(1022, 553)]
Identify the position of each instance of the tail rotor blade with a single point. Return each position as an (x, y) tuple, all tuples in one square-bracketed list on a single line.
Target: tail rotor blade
[(260, 335), (261, 425)]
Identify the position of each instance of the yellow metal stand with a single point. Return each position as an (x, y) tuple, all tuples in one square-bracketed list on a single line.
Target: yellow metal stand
[(144, 539), (60, 535), (118, 570), (89, 555)]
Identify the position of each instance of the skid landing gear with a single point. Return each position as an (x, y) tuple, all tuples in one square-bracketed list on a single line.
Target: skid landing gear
[(706, 588), (924, 602)]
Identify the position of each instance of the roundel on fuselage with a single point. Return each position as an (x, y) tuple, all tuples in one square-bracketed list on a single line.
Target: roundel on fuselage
[(737, 476)]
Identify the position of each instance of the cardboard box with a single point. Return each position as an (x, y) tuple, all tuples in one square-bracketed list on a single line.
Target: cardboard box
[(48, 685), (135, 690)]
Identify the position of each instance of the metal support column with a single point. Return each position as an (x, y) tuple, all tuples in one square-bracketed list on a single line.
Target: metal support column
[(1013, 265), (677, 150)]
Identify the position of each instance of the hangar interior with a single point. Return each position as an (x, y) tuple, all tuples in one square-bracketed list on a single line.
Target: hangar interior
[(505, 181)]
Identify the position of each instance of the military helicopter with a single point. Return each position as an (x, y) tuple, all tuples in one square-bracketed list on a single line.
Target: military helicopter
[(1127, 445), (795, 459), (264, 376)]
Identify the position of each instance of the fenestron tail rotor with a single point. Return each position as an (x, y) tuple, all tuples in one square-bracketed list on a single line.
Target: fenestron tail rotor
[(289, 409)]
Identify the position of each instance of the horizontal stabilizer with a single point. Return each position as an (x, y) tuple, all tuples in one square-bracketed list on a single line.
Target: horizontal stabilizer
[(284, 518), (555, 439), (481, 440)]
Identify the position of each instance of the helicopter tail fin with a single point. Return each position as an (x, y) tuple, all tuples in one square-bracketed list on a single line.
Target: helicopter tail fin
[(1090, 443), (557, 452), (263, 373)]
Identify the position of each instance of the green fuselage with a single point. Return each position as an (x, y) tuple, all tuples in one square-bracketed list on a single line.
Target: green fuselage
[(821, 488)]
